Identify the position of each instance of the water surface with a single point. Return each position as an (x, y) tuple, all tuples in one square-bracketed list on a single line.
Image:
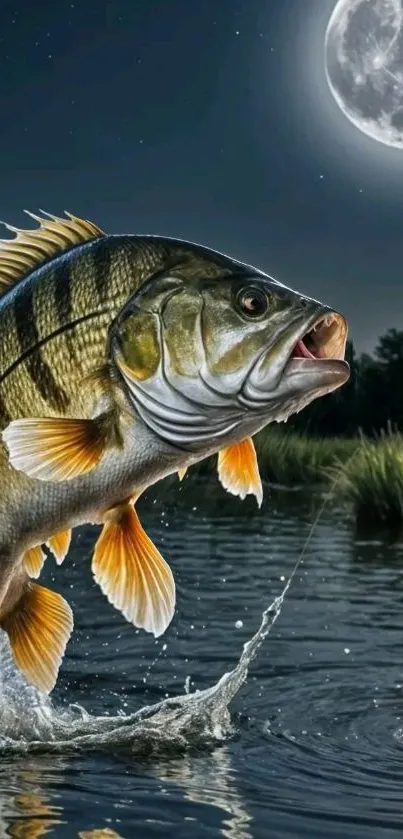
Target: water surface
[(313, 746)]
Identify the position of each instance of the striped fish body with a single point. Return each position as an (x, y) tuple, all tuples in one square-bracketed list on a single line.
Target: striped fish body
[(54, 326), (124, 359), (60, 294)]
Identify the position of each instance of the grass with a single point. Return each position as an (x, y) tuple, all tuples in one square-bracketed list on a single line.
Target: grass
[(369, 473), (290, 458), (373, 479)]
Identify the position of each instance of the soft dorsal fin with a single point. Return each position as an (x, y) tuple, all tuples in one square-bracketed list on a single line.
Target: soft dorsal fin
[(31, 248)]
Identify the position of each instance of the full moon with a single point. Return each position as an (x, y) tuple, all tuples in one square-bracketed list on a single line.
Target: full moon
[(364, 66)]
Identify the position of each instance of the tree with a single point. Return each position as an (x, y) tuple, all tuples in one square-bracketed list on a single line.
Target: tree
[(389, 350)]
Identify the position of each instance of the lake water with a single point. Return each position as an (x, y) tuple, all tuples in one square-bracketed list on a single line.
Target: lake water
[(313, 747)]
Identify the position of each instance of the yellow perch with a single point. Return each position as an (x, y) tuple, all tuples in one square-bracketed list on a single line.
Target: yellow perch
[(124, 359)]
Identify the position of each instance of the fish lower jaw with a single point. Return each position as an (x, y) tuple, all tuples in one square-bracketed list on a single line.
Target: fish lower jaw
[(330, 368)]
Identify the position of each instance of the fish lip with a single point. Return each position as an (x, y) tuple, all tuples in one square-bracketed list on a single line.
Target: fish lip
[(316, 322), (323, 339), (329, 370), (328, 332)]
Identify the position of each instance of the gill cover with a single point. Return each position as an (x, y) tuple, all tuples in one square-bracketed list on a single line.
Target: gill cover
[(157, 345)]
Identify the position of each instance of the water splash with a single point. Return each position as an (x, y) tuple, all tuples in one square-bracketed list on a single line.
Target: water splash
[(30, 723)]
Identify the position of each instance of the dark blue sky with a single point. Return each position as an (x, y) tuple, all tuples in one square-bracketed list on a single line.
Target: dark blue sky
[(209, 121)]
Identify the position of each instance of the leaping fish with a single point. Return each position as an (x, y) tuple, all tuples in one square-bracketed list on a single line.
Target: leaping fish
[(123, 359)]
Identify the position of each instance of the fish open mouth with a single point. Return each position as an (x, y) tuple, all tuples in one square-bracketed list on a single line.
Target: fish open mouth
[(326, 339)]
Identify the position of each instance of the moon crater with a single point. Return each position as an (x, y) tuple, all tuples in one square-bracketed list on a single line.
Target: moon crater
[(364, 66)]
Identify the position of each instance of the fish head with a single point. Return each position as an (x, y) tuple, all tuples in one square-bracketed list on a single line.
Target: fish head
[(207, 356)]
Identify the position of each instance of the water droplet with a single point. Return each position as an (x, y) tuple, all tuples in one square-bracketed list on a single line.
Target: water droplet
[(238, 624)]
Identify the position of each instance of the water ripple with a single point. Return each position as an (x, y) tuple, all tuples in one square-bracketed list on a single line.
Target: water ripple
[(314, 743)]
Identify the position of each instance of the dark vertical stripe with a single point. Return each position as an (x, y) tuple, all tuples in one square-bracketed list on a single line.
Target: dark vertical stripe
[(102, 264), (62, 280), (62, 286), (5, 417), (36, 365)]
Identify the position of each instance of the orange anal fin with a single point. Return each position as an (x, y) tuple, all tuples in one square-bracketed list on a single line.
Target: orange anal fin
[(59, 545), (55, 449), (33, 561), (238, 470), (39, 628), (182, 473), (132, 573)]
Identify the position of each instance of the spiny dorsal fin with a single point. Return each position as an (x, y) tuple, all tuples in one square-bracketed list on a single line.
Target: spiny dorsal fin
[(31, 248)]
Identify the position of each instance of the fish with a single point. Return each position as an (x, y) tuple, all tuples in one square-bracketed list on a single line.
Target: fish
[(125, 358)]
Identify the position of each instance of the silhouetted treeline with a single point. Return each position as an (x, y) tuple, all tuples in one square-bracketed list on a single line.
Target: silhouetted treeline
[(371, 400)]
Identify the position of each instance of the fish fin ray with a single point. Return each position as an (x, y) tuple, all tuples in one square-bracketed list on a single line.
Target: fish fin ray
[(34, 559), (238, 470), (39, 628), (31, 248), (59, 544), (132, 573), (56, 449)]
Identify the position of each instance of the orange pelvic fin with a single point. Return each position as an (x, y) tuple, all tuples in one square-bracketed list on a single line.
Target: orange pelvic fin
[(132, 573), (182, 473), (238, 470)]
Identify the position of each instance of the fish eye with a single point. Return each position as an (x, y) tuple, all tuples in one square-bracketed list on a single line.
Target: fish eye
[(252, 301)]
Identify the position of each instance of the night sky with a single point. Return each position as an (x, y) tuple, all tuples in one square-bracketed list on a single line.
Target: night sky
[(209, 121)]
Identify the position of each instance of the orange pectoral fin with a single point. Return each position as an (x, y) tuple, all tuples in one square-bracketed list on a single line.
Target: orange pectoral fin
[(238, 470), (55, 449), (132, 573)]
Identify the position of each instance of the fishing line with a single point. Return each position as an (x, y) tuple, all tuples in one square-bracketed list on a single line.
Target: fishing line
[(273, 611), (329, 496)]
